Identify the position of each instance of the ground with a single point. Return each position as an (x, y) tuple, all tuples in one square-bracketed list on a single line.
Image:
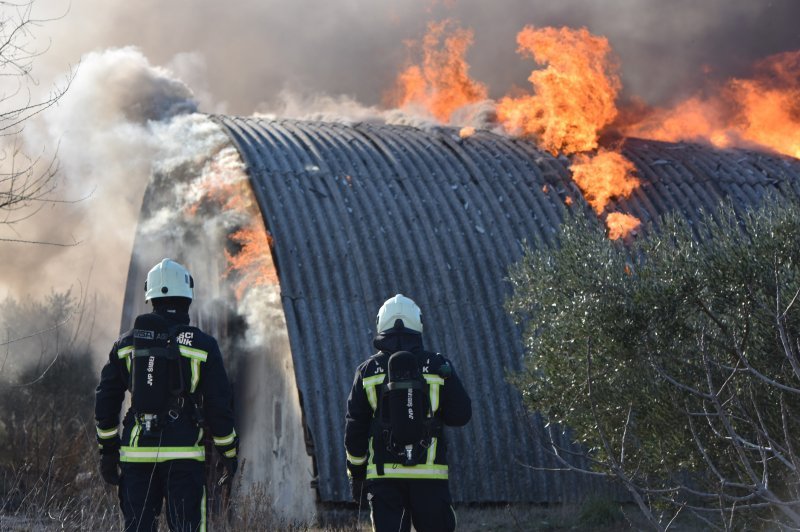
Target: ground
[(596, 516)]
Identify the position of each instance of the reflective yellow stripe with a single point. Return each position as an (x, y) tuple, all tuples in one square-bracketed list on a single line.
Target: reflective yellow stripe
[(160, 454), (431, 471), (225, 440), (135, 434), (230, 453), (191, 352), (356, 460), (375, 379), (434, 382), (107, 433), (369, 386), (433, 379), (371, 452), (195, 365), (432, 451), (125, 353)]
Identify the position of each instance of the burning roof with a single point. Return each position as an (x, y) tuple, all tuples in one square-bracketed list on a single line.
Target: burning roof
[(360, 212), (353, 213)]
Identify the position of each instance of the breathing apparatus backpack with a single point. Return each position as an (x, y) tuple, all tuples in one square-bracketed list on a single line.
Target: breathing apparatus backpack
[(157, 384), (403, 421)]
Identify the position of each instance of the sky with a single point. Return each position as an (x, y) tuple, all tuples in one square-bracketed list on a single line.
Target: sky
[(136, 65)]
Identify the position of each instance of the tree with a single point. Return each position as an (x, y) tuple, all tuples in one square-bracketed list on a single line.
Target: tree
[(26, 182), (674, 359)]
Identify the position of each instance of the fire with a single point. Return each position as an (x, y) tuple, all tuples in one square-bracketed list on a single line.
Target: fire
[(574, 99), (601, 177), (253, 261), (574, 95), (466, 131), (442, 83), (224, 187), (222, 184), (620, 225), (763, 110)]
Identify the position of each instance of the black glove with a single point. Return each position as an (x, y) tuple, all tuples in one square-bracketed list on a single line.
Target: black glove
[(358, 490), (109, 467), (231, 465)]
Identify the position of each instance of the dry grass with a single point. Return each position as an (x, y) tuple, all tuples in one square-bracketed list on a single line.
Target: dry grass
[(75, 498), (97, 509)]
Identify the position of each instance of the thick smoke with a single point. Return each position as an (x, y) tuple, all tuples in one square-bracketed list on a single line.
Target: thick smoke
[(125, 121), (253, 51), (299, 59), (121, 119)]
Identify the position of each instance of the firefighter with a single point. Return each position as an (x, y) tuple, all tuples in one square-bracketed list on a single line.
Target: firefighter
[(178, 386), (403, 484)]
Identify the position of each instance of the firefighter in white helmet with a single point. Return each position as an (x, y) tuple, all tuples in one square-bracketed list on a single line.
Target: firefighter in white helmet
[(396, 451), (179, 388)]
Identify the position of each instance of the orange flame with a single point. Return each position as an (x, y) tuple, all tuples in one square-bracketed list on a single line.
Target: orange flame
[(223, 187), (219, 186), (620, 225), (442, 84), (253, 261), (574, 99), (763, 111), (601, 177), (574, 96), (466, 131)]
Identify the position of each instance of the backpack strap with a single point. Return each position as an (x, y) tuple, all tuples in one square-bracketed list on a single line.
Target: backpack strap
[(377, 430), (381, 427), (155, 335), (177, 383), (178, 389)]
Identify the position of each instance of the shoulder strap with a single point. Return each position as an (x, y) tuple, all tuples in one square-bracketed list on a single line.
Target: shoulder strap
[(177, 382), (195, 398)]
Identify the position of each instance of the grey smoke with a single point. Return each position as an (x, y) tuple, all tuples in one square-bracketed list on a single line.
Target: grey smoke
[(251, 51), (302, 58), (120, 119)]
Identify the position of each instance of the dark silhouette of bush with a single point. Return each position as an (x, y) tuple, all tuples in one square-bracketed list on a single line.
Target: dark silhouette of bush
[(47, 448)]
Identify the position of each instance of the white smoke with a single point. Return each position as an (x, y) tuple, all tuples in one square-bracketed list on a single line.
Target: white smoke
[(347, 110), (125, 125), (121, 119)]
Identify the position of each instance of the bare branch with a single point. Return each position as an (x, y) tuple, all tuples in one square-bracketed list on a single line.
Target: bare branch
[(37, 333), (41, 242), (24, 181)]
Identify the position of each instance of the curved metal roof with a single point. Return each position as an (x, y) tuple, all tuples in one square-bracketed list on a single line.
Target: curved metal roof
[(361, 212)]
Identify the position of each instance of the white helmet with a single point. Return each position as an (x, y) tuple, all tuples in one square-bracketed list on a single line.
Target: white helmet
[(402, 308), (168, 279)]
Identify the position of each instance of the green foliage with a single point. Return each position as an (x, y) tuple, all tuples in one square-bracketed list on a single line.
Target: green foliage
[(672, 353), (599, 512)]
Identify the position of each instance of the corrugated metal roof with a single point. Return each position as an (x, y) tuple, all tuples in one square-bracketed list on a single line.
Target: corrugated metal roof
[(360, 212)]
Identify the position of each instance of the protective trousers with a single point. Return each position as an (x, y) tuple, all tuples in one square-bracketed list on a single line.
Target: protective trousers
[(396, 503), (144, 486)]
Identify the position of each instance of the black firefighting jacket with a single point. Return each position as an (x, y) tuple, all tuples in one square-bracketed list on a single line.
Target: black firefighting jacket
[(180, 438), (449, 402)]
